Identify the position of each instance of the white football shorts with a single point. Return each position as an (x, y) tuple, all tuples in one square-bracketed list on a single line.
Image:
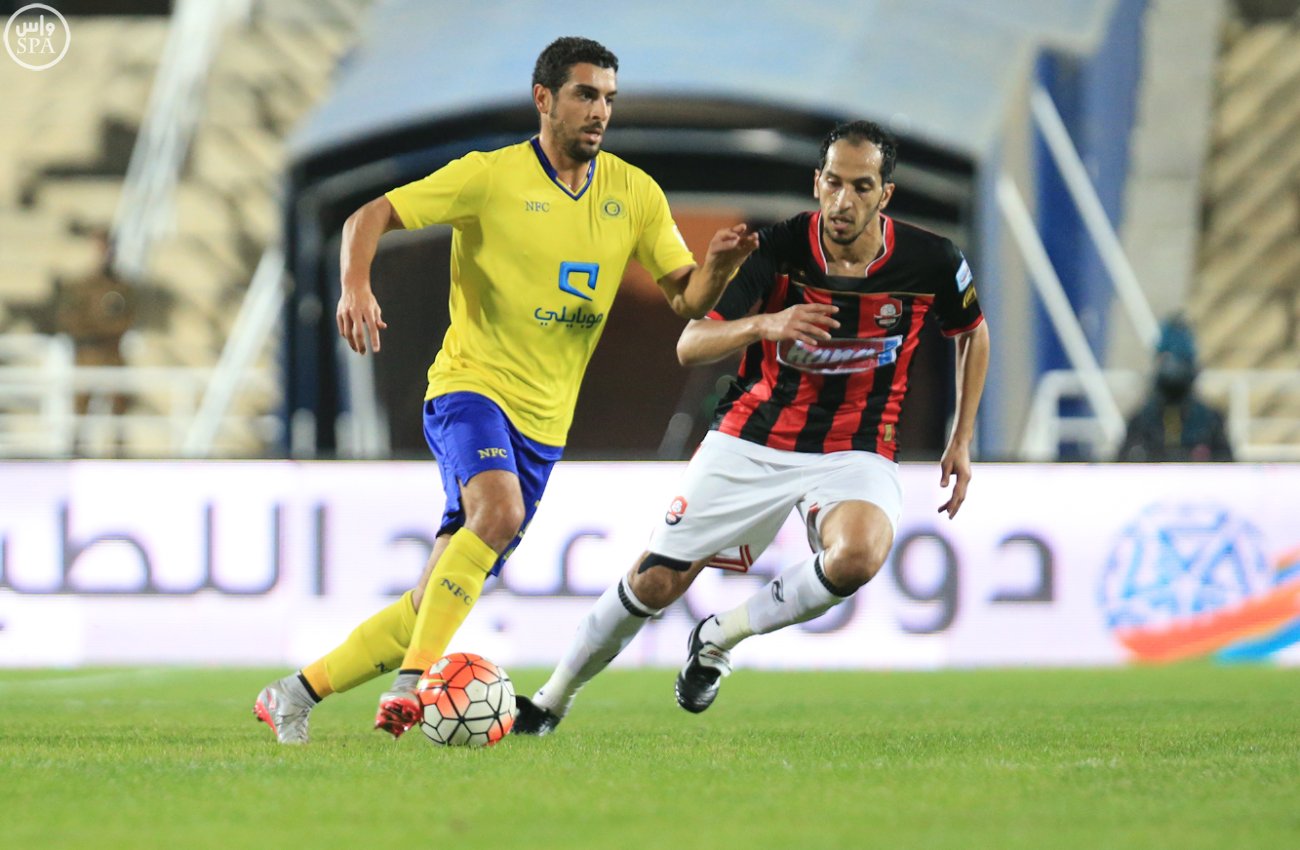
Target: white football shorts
[(736, 495)]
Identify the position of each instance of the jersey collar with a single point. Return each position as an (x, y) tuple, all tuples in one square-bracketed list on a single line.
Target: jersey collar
[(554, 175), (886, 243)]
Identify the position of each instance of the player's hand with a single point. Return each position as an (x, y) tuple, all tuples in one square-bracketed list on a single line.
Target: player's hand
[(955, 464), (731, 245), (358, 312), (807, 323)]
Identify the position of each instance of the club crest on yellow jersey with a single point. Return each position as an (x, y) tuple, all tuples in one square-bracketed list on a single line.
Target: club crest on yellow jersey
[(612, 208)]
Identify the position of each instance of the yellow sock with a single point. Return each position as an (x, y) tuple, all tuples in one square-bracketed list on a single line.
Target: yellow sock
[(452, 590), (376, 646)]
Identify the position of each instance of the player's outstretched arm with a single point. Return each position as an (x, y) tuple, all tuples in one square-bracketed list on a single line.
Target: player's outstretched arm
[(358, 311), (972, 366), (710, 340), (693, 290)]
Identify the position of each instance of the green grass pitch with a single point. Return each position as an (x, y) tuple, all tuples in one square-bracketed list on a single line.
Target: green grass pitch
[(1182, 757)]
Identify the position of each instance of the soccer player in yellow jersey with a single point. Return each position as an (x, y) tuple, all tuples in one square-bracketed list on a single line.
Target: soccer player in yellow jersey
[(542, 233)]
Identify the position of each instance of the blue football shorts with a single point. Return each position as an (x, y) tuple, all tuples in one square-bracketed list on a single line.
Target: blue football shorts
[(468, 434)]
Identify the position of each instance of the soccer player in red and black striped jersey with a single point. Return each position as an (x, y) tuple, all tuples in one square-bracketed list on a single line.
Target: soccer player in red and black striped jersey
[(827, 316)]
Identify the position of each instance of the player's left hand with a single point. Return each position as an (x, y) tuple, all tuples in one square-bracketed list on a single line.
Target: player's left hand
[(731, 245), (955, 464)]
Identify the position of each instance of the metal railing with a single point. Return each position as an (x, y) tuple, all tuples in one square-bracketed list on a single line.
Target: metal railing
[(1103, 428), (39, 388), (1094, 217), (147, 206), (1060, 312), (249, 336), (1048, 427)]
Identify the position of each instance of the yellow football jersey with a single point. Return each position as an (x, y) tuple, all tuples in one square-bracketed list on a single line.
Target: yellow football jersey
[(534, 271)]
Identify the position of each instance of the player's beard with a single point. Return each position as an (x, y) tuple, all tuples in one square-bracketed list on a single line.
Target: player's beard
[(581, 151), (849, 240), (571, 141), (845, 240)]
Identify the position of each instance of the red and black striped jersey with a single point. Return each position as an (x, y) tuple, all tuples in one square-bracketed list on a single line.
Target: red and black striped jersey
[(846, 393)]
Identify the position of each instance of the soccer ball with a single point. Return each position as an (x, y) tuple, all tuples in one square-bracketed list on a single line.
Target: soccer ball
[(466, 700)]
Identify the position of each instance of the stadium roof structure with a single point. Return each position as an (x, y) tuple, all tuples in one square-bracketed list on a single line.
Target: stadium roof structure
[(941, 71)]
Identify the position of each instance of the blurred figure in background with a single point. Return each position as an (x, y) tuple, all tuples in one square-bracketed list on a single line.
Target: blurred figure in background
[(1173, 425), (96, 310)]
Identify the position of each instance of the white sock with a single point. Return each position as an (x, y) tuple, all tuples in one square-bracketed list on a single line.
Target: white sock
[(608, 627), (406, 681), (298, 690), (727, 629), (797, 595)]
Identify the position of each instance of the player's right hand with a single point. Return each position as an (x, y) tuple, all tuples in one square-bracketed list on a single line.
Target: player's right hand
[(358, 312), (807, 323)]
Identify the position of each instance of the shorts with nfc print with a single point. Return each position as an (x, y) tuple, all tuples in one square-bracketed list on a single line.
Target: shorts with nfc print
[(468, 434), (736, 495)]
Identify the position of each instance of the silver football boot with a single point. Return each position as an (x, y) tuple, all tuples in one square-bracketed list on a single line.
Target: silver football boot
[(285, 706)]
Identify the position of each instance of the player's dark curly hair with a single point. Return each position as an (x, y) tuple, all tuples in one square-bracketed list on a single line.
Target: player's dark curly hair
[(552, 68), (864, 131)]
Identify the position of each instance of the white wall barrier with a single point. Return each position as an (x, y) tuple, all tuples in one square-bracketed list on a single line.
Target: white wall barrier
[(274, 562)]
